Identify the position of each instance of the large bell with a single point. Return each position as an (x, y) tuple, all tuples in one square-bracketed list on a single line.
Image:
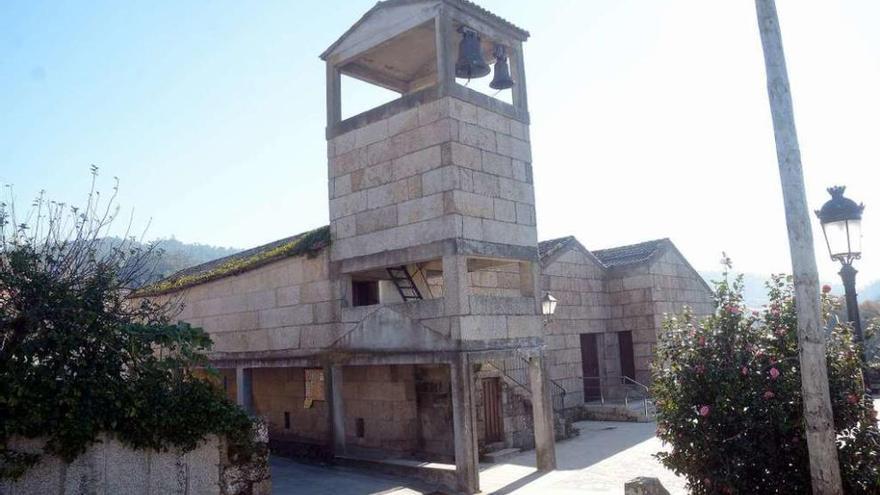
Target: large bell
[(501, 78), (470, 64)]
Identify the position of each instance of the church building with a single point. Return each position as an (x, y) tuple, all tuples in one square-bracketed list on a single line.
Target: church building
[(416, 329)]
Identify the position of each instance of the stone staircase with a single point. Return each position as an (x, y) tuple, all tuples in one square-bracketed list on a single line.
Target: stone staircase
[(514, 373)]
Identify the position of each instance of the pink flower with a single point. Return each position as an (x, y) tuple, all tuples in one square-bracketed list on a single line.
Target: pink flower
[(755, 313), (705, 410), (782, 330), (744, 370), (769, 395), (852, 399), (826, 289), (702, 341), (700, 369), (732, 309), (774, 373)]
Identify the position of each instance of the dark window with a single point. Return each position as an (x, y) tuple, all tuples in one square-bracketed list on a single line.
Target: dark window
[(627, 361), (365, 292), (359, 427), (286, 420)]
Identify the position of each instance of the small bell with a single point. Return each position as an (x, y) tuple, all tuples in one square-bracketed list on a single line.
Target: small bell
[(470, 64), (501, 78)]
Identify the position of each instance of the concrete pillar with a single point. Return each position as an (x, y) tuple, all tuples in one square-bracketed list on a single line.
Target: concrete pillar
[(542, 413), (464, 425), (333, 393), (456, 286), (244, 389)]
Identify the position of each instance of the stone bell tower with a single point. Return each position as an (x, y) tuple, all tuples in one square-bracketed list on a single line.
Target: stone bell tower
[(443, 169), (432, 205)]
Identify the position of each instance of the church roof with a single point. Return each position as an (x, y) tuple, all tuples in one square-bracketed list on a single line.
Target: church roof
[(548, 247), (305, 243), (311, 242), (465, 5), (631, 254)]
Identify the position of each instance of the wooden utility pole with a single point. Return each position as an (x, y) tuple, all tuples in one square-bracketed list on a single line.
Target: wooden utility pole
[(824, 467)]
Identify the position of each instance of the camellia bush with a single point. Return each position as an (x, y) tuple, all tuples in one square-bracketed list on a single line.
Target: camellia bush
[(79, 357), (729, 402)]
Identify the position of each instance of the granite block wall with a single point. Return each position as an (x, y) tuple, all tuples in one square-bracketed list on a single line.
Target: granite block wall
[(445, 169)]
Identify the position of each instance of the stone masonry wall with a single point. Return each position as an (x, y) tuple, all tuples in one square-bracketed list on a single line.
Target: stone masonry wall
[(288, 304), (577, 281), (642, 294), (500, 281), (445, 169), (384, 397), (283, 390), (632, 310), (595, 300), (112, 467)]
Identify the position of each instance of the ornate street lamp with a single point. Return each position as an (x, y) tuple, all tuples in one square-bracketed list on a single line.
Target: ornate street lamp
[(841, 220), (548, 305)]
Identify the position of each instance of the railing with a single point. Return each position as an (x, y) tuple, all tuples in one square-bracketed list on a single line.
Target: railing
[(593, 383), (645, 398), (516, 369)]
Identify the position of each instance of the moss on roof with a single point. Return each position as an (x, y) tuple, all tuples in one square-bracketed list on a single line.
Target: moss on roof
[(307, 243)]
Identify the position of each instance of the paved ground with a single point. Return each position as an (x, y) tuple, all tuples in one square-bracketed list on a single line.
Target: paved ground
[(597, 462)]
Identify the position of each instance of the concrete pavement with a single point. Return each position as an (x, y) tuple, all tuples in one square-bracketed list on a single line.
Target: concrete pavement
[(599, 461)]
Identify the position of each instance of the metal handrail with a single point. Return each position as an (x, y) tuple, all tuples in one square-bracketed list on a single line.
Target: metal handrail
[(624, 380), (509, 373), (598, 380)]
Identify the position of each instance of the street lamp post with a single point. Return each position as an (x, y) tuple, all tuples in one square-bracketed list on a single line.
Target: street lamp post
[(841, 220)]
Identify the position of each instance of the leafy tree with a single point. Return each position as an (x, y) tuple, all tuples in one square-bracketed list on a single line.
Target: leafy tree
[(729, 399), (79, 358)]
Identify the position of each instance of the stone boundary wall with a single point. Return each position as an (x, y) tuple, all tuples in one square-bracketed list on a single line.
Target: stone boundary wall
[(109, 467)]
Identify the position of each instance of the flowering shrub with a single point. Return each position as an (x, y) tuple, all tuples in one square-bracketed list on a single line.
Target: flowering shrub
[(729, 405)]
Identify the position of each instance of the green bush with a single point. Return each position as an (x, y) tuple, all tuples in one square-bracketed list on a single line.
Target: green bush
[(79, 358), (729, 401)]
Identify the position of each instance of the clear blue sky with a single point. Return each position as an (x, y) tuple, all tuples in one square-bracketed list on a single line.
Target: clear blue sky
[(650, 119)]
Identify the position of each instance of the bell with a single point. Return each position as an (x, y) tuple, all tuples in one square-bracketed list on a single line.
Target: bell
[(470, 64), (501, 79)]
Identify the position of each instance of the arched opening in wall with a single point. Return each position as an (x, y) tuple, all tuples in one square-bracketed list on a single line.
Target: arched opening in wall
[(359, 96)]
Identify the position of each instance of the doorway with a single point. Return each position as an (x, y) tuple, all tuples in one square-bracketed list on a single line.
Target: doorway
[(590, 367), (492, 416)]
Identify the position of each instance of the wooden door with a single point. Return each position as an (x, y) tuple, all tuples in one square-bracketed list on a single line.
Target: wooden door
[(590, 366), (493, 419), (627, 361)]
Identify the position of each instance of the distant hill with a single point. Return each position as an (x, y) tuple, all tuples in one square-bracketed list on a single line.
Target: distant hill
[(171, 255), (871, 292), (176, 255), (755, 292)]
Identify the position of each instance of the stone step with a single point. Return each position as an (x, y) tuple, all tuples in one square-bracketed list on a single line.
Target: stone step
[(499, 456), (614, 412)]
